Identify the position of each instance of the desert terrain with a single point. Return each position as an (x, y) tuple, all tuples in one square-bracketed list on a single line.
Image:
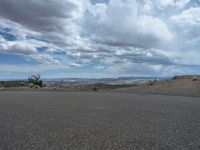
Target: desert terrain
[(178, 85)]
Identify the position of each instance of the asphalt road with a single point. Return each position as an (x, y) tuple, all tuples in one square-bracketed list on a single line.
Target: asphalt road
[(97, 121)]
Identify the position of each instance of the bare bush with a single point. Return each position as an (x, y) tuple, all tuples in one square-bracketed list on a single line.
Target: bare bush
[(35, 80)]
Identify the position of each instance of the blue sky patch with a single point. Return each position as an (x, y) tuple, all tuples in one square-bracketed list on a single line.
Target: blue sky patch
[(4, 32), (42, 49), (13, 59)]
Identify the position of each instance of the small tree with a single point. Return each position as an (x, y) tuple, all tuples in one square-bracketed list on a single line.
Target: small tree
[(35, 80)]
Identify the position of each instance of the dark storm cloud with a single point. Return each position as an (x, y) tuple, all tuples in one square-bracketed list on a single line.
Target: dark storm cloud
[(39, 15)]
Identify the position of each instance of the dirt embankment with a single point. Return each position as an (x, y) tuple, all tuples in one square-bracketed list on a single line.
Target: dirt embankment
[(178, 85)]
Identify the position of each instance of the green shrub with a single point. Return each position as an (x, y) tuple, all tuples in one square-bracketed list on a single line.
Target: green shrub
[(30, 85), (95, 89)]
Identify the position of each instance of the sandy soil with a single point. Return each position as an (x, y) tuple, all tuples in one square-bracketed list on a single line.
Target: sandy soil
[(181, 86)]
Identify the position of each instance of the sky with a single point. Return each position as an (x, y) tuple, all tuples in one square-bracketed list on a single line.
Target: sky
[(99, 38)]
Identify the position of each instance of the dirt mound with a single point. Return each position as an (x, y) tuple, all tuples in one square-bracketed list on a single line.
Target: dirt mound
[(178, 85)]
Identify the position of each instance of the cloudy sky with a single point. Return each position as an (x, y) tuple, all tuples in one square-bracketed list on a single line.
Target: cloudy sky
[(99, 38)]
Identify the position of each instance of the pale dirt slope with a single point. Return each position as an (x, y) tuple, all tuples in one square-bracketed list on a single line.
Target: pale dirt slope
[(182, 86)]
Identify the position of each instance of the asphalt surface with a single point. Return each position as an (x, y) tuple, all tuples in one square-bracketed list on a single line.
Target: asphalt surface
[(97, 121)]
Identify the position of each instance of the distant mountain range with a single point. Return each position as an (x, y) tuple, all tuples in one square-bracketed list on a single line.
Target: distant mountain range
[(92, 79), (103, 79)]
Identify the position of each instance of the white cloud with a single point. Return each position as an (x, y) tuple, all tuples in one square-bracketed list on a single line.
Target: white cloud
[(189, 17), (187, 23), (181, 3), (148, 34), (121, 24), (164, 3)]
